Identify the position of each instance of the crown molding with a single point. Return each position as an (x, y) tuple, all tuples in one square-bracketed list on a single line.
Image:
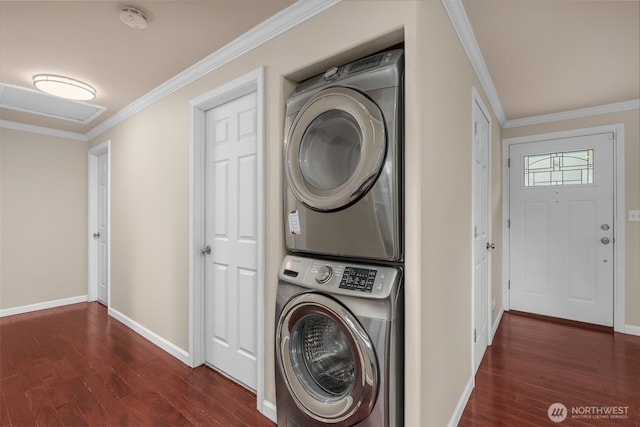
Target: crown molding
[(293, 16), (279, 23), (461, 23), (6, 124), (573, 114)]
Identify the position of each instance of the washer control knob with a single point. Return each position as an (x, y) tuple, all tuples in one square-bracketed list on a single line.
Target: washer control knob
[(324, 274)]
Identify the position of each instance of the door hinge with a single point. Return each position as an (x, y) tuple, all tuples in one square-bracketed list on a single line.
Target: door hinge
[(475, 128), (509, 223), (508, 284), (509, 162), (475, 335)]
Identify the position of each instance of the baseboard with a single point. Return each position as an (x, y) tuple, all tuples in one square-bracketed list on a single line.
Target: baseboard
[(156, 339), (496, 324), (269, 411), (632, 330), (462, 402), (42, 305)]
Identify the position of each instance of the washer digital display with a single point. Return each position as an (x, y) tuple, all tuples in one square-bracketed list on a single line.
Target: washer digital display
[(358, 279)]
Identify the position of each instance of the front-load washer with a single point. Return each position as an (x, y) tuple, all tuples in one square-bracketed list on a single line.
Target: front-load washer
[(343, 161), (339, 344)]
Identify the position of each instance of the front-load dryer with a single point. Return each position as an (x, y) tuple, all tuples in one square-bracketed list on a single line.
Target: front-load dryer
[(339, 344), (343, 161)]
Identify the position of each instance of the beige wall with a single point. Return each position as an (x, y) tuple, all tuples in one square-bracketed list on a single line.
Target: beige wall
[(149, 190), (631, 121), (445, 206), (43, 218)]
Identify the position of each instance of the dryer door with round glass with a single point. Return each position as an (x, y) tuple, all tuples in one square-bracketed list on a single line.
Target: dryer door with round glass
[(335, 149), (327, 360)]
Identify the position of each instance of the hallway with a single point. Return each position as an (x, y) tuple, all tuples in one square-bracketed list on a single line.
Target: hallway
[(534, 363), (76, 366)]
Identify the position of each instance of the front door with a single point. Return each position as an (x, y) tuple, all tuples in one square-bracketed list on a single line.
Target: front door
[(561, 228), (231, 186)]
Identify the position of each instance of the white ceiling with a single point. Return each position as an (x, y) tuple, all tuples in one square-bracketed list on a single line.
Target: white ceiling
[(86, 40), (543, 56), (550, 56)]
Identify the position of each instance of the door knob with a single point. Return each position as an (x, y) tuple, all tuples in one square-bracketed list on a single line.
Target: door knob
[(605, 240), (96, 235), (205, 250), (604, 227), (491, 246)]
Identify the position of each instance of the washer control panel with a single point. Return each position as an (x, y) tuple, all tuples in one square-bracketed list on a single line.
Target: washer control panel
[(342, 278), (361, 279)]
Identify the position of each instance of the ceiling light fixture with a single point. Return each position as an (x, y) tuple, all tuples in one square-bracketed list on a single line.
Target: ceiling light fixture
[(64, 87), (133, 18)]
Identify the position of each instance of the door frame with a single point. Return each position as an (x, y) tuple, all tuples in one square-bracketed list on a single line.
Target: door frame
[(477, 100), (618, 208), (92, 221), (248, 83)]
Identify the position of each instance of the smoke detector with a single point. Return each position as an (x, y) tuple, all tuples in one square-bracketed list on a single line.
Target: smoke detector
[(133, 18)]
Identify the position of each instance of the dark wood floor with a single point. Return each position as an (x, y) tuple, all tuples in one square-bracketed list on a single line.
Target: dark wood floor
[(76, 366), (534, 363)]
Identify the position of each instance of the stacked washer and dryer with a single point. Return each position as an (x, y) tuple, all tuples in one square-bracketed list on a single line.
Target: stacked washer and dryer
[(340, 305)]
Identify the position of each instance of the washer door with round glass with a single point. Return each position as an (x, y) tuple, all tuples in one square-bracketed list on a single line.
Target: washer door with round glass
[(335, 149), (327, 360)]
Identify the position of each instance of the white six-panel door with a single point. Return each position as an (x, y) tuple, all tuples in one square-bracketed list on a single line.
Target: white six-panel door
[(561, 228), (231, 232), (481, 232), (102, 234)]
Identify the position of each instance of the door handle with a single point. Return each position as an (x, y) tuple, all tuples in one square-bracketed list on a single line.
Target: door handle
[(605, 240), (206, 250), (96, 235), (491, 246)]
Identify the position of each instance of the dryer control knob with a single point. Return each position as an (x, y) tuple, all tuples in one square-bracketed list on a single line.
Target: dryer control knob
[(324, 274)]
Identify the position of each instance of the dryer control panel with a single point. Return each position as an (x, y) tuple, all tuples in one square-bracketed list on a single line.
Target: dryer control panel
[(367, 281)]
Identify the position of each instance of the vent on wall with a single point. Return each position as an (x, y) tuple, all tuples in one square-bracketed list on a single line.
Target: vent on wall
[(36, 102)]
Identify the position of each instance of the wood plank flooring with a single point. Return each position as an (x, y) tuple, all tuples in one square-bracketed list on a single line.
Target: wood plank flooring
[(534, 363), (76, 366)]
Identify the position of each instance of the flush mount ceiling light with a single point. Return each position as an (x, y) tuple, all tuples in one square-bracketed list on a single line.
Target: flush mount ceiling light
[(64, 87), (133, 18)]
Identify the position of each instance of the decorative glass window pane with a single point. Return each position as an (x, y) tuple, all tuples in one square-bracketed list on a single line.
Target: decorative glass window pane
[(565, 168)]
